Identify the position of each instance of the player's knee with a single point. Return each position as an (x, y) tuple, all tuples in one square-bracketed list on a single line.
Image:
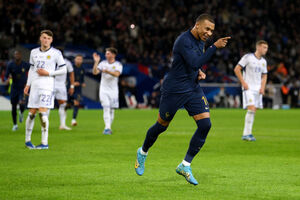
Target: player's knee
[(31, 115), (204, 124)]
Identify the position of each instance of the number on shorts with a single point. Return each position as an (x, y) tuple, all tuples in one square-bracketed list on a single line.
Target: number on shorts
[(205, 100), (46, 98)]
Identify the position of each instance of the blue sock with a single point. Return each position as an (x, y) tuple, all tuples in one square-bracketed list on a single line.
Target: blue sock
[(152, 135), (75, 111), (198, 139)]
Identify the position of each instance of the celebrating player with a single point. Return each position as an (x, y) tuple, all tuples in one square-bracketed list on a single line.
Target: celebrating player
[(17, 70), (44, 61), (253, 82), (181, 89), (79, 83), (109, 91), (60, 92)]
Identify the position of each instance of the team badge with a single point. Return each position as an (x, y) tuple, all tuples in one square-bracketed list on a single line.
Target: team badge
[(23, 70), (263, 64), (114, 67), (203, 50), (48, 57)]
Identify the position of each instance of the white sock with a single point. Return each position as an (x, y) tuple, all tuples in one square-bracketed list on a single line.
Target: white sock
[(45, 126), (107, 118), (185, 163), (29, 126), (112, 115), (143, 152), (62, 114), (249, 119)]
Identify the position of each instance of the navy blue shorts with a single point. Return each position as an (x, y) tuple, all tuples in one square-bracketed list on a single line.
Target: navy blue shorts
[(17, 96), (77, 96), (194, 102)]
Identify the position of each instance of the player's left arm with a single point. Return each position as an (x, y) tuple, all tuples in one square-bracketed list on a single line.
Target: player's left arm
[(263, 83), (62, 69), (117, 72), (113, 73)]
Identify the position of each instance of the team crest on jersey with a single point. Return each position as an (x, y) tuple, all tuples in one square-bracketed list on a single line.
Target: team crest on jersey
[(263, 64), (48, 57), (23, 70), (114, 67), (203, 50)]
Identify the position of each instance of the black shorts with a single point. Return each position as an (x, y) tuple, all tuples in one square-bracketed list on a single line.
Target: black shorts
[(194, 102)]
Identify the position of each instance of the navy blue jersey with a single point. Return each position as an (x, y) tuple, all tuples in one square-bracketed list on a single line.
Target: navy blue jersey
[(188, 57), (18, 74), (79, 77)]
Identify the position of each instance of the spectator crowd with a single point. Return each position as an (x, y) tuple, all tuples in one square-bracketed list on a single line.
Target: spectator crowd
[(144, 31)]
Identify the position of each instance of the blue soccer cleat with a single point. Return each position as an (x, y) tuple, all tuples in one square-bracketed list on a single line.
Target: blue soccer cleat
[(107, 132), (249, 137), (29, 145), (140, 162), (42, 146), (186, 171)]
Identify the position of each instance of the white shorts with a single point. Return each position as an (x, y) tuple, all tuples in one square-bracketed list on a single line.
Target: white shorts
[(251, 97), (39, 98), (109, 100), (60, 93)]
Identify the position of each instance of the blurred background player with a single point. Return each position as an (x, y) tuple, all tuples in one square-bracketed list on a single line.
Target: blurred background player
[(78, 84), (181, 89), (43, 63), (253, 81), (60, 92), (108, 91), (17, 71)]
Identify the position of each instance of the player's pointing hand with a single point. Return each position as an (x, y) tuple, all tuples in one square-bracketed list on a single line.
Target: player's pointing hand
[(222, 42)]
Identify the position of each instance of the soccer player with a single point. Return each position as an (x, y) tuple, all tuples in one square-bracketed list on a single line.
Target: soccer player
[(46, 62), (79, 83), (253, 81), (181, 89), (17, 70), (60, 92), (109, 91)]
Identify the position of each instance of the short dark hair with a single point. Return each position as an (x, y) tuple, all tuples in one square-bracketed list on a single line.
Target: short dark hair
[(79, 55), (259, 42), (48, 32), (112, 50), (205, 16)]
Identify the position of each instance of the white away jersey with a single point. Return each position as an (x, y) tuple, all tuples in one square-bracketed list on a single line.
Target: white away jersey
[(108, 82), (253, 68), (48, 60), (61, 80)]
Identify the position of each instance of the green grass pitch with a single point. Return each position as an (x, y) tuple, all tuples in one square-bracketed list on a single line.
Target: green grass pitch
[(85, 164)]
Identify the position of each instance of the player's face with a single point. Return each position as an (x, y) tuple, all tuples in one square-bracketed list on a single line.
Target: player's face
[(78, 61), (109, 55), (205, 29), (262, 49), (46, 40), (17, 55)]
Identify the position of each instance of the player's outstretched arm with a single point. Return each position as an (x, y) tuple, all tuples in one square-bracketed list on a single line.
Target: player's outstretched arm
[(238, 73), (192, 57), (97, 59)]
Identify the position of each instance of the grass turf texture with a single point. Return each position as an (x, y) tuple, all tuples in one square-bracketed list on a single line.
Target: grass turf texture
[(85, 164)]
